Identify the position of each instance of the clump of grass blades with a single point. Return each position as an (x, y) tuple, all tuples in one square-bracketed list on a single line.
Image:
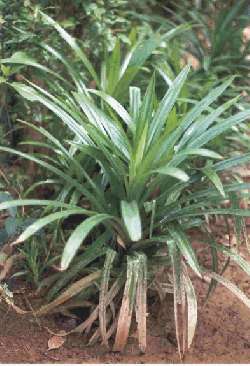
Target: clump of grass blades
[(139, 177), (217, 43)]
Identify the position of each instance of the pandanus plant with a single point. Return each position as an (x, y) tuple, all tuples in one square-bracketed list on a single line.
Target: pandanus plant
[(139, 177)]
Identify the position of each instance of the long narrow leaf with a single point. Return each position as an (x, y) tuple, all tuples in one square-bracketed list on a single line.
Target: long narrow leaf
[(110, 257), (40, 223), (72, 43), (131, 217), (78, 235)]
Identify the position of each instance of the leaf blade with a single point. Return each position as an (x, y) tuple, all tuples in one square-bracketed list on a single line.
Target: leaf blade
[(131, 217), (78, 235)]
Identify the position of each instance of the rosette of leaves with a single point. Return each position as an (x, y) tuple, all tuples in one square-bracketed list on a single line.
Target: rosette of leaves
[(138, 176)]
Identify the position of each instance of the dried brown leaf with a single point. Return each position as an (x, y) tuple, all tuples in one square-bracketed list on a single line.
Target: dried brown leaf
[(124, 322), (8, 265), (55, 342), (141, 306), (126, 310), (69, 293)]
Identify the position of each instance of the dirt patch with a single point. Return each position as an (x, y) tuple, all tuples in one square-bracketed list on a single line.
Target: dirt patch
[(223, 335)]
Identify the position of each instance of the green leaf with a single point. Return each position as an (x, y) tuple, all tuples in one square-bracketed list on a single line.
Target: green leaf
[(22, 58), (215, 179), (106, 126), (33, 202), (78, 235), (220, 128), (131, 217), (237, 258), (76, 77), (55, 106), (138, 56), (115, 105), (114, 68), (134, 101), (230, 163), (173, 172), (169, 142), (192, 211), (65, 177), (139, 151), (146, 109), (185, 248), (72, 43), (5, 196), (172, 122), (144, 50), (230, 286), (201, 125), (40, 223), (166, 105), (97, 249), (200, 152), (166, 72)]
